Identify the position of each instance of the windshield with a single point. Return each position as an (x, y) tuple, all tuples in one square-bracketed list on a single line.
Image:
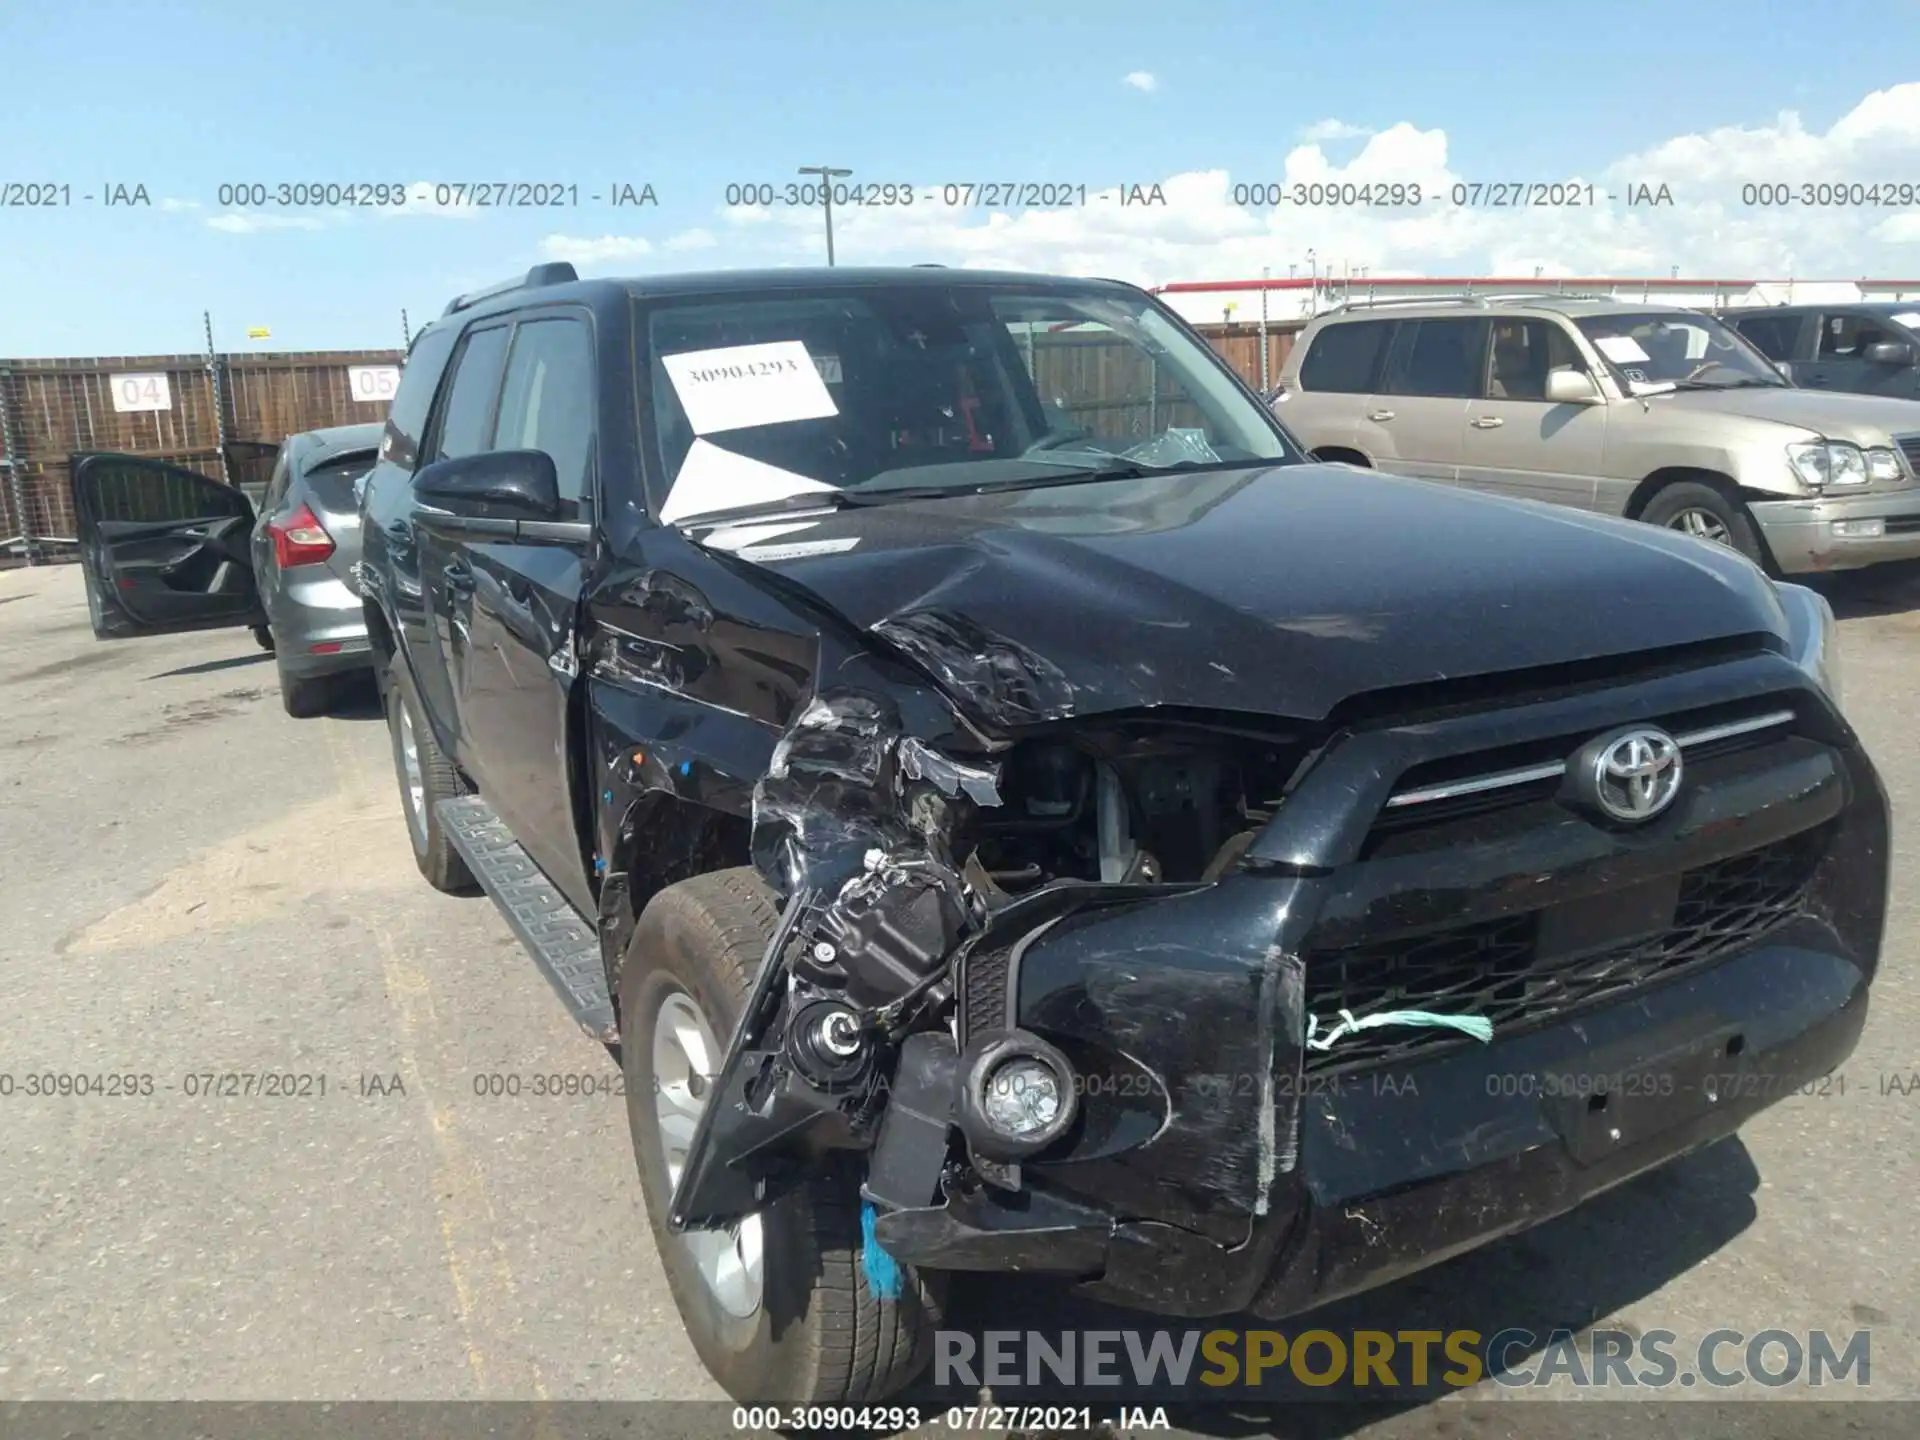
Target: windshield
[(883, 391), (1678, 349)]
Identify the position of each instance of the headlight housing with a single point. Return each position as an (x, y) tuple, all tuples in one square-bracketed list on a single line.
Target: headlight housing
[(1884, 465), (1813, 635), (1821, 463)]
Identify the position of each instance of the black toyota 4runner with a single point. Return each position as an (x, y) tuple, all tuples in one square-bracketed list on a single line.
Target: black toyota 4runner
[(1008, 811)]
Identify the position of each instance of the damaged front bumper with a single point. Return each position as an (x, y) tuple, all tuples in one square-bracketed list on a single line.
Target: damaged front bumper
[(1649, 989)]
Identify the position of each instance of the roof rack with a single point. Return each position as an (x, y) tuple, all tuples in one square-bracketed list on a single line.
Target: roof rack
[(928, 265), (1527, 298), (554, 272)]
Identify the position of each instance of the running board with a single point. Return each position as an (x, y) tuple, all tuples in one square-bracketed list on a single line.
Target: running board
[(562, 943)]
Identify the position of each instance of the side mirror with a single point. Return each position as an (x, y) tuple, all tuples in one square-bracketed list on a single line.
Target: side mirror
[(1572, 387), (497, 484), (1890, 352)]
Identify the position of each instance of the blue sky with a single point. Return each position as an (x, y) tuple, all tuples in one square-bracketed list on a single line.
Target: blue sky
[(691, 98)]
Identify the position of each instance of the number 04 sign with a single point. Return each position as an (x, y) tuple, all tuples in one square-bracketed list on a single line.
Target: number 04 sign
[(373, 383), (140, 392)]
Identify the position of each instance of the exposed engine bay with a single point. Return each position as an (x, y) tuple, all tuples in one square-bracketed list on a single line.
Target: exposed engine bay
[(898, 861)]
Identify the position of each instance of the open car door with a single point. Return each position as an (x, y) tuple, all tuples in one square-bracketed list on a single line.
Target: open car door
[(163, 549)]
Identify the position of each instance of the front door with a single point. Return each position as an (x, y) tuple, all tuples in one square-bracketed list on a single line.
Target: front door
[(517, 677), (1520, 443), (1841, 362), (162, 549)]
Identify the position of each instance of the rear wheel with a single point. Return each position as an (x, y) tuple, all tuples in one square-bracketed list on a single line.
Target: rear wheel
[(304, 699), (1706, 514), (426, 778), (263, 637), (778, 1307)]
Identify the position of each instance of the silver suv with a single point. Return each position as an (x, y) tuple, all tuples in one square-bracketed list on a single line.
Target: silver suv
[(1652, 413)]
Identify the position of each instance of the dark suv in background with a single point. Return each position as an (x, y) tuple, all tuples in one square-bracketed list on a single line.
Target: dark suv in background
[(1869, 349)]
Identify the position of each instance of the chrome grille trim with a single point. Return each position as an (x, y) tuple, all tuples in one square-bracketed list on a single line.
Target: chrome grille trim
[(1501, 779)]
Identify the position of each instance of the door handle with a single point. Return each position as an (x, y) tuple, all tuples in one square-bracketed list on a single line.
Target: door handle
[(1379, 415), (1487, 422)]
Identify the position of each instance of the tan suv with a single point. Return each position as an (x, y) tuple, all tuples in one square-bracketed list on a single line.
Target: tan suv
[(1656, 414)]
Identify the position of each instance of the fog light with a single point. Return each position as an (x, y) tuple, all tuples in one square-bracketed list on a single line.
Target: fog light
[(1860, 529), (1016, 1095), (1023, 1098)]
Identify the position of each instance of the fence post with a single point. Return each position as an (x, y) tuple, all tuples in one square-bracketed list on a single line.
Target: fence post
[(16, 484), (219, 398)]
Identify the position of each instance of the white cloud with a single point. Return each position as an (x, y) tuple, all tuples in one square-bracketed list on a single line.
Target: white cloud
[(169, 203), (1142, 80), (1202, 233), (696, 239), (582, 250), (253, 222), (1321, 131)]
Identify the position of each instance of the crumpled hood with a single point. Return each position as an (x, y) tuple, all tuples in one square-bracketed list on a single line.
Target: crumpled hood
[(1833, 415), (1276, 590)]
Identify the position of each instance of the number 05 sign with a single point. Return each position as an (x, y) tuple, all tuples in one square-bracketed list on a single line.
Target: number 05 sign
[(373, 383), (140, 392)]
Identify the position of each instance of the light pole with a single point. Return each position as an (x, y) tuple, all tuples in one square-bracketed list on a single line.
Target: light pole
[(828, 174)]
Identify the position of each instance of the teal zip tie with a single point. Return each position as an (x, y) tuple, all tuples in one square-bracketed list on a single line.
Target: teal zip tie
[(1474, 1025), (882, 1270)]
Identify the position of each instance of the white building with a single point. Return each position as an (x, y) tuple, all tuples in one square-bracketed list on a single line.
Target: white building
[(1288, 301)]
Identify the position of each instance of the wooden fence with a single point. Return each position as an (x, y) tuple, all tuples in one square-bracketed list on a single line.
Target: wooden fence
[(226, 417)]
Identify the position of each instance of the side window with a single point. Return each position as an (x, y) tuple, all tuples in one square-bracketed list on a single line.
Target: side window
[(407, 417), (465, 426), (1343, 359), (151, 494), (1523, 354), (1436, 357), (548, 400), (1771, 335), (1846, 337)]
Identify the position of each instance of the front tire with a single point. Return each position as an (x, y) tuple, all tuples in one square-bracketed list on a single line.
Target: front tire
[(426, 778), (1706, 514), (779, 1308)]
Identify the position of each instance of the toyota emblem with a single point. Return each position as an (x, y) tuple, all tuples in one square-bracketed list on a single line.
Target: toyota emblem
[(1630, 775)]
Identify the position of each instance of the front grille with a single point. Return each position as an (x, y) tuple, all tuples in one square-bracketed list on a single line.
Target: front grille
[(1440, 792), (1492, 969), (1910, 447)]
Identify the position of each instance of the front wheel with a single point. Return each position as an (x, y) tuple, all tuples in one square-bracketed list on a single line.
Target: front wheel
[(1706, 514), (778, 1307)]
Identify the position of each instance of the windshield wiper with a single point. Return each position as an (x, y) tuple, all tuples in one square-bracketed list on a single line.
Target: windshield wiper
[(785, 504), (1123, 470)]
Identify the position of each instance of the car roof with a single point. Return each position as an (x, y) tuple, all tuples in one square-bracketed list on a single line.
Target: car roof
[(712, 282), (1572, 307), (316, 447), (1888, 308)]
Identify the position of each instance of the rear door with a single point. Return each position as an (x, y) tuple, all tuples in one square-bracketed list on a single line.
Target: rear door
[(1415, 422), (162, 549), (1779, 337), (462, 425), (518, 678), (1519, 443), (1336, 377)]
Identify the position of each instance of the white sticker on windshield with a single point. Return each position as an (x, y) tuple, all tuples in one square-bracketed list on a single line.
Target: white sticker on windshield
[(1908, 318), (1621, 349), (829, 368), (712, 479), (742, 385)]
